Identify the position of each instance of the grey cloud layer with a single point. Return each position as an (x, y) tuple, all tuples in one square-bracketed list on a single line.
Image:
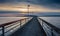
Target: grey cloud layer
[(33, 1), (46, 3)]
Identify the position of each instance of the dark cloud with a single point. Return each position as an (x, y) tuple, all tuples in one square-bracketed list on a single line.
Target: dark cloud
[(50, 1), (46, 3), (55, 1), (2, 1), (33, 1), (10, 1)]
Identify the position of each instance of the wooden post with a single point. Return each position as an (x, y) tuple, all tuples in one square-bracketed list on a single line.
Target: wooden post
[(25, 20), (51, 32), (20, 23), (3, 34), (42, 23)]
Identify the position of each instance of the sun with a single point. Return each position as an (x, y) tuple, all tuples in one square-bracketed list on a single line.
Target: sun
[(23, 10)]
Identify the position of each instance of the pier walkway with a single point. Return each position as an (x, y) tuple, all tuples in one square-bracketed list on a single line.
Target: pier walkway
[(32, 28)]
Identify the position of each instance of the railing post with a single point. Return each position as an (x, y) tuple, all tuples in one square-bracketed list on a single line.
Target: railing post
[(51, 32), (20, 23), (42, 23), (25, 20), (3, 34)]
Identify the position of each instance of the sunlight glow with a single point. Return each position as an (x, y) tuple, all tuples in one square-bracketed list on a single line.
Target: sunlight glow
[(22, 7), (23, 10)]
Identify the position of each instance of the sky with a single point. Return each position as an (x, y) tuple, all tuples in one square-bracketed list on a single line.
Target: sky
[(35, 5)]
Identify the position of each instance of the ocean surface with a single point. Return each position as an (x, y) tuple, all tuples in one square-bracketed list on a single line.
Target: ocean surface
[(18, 14), (9, 19), (12, 15), (53, 20)]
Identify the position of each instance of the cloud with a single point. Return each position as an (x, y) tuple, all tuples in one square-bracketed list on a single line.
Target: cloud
[(11, 1), (32, 1), (11, 14), (47, 3), (54, 4)]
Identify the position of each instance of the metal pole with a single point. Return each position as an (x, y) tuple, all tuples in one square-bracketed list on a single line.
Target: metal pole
[(20, 23), (51, 32), (3, 34), (42, 23), (25, 20), (28, 9)]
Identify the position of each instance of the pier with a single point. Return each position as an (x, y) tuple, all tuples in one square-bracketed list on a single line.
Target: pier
[(32, 26)]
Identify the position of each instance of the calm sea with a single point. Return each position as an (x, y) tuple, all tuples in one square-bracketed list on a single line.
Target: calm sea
[(53, 20)]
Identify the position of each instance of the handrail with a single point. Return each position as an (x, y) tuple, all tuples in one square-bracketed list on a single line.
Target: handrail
[(5, 24), (9, 23), (52, 26)]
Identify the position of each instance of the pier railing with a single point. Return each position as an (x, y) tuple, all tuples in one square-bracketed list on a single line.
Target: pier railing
[(10, 27), (50, 29)]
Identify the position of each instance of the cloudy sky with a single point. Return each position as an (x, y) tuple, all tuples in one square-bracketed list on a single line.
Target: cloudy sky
[(36, 5)]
